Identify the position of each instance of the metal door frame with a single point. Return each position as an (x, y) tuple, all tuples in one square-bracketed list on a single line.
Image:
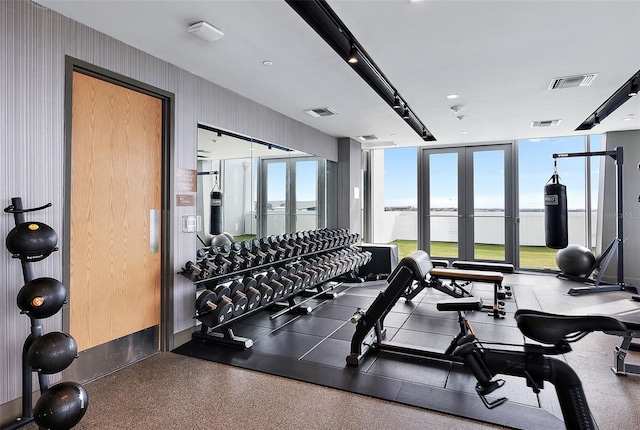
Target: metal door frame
[(465, 198)]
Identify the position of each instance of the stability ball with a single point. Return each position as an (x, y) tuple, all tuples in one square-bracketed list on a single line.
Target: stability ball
[(32, 241), (575, 260), (52, 353), (61, 407), (41, 297), (220, 240)]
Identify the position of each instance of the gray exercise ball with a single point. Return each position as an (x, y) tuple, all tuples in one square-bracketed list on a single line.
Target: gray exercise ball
[(575, 260)]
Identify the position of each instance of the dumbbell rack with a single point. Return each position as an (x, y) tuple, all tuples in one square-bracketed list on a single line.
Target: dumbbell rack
[(222, 333)]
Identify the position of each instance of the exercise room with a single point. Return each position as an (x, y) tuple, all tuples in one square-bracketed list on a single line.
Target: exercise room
[(320, 214)]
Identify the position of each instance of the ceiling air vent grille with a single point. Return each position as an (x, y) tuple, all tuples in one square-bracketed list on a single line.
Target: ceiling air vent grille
[(318, 112), (572, 81), (547, 123), (368, 137)]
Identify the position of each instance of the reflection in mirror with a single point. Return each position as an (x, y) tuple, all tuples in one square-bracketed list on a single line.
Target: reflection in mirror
[(263, 188)]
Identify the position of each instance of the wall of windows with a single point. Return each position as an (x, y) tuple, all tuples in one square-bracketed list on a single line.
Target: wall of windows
[(394, 211)]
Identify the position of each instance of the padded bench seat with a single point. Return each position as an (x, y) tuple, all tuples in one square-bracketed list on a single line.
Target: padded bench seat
[(466, 275), (437, 274), (480, 265)]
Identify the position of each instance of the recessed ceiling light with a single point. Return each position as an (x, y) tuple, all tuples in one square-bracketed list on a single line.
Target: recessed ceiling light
[(464, 132), (627, 119), (267, 63), (452, 96)]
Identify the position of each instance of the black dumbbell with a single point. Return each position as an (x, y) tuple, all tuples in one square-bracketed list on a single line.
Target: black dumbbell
[(278, 290), (206, 302), (240, 303), (236, 287), (249, 282), (224, 310), (287, 285), (197, 271), (297, 283), (253, 298), (266, 293), (214, 268)]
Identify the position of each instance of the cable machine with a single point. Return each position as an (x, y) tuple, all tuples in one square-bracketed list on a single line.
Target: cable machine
[(616, 246)]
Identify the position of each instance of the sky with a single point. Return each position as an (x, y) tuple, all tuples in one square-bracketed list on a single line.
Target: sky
[(535, 169)]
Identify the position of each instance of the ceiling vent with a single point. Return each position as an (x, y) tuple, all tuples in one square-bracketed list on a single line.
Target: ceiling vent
[(572, 81), (318, 112), (368, 137), (547, 123)]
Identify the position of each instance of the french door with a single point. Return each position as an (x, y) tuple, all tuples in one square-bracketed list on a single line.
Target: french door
[(291, 195), (467, 203)]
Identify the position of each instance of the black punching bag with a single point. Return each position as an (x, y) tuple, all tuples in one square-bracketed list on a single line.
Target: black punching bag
[(215, 220), (555, 214)]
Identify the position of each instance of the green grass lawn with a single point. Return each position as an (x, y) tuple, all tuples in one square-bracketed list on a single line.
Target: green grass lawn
[(538, 257)]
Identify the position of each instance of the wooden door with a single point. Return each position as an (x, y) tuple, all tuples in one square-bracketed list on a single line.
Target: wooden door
[(116, 184)]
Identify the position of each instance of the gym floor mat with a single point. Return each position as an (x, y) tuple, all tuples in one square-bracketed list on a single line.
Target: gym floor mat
[(313, 348)]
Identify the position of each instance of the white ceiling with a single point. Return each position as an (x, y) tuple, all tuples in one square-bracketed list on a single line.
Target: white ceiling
[(499, 56)]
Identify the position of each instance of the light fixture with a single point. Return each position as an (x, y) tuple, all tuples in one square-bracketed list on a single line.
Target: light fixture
[(353, 55), (205, 31), (617, 99), (456, 108), (633, 91), (452, 96), (460, 117), (406, 115), (396, 102), (328, 25), (267, 63)]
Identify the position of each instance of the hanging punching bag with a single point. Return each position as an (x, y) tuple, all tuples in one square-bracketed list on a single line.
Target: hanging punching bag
[(555, 213), (215, 220)]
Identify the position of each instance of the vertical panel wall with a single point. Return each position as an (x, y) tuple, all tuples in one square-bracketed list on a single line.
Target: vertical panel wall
[(630, 141), (33, 44), (349, 198)]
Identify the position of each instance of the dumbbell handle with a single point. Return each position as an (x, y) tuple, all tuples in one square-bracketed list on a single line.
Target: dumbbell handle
[(357, 315)]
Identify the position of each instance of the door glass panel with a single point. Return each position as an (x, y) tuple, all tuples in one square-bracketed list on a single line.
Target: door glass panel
[(306, 199), (276, 212), (488, 205), (443, 205)]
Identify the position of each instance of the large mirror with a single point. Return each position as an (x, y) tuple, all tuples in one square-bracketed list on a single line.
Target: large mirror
[(262, 188)]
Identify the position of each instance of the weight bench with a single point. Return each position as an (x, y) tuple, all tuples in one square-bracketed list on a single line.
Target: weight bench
[(370, 331), (482, 265), (625, 344), (454, 289)]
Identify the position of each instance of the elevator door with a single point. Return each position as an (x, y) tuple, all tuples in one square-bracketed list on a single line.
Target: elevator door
[(116, 182)]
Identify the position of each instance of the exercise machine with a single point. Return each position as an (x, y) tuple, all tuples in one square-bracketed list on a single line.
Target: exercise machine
[(534, 362), (616, 246), (370, 332)]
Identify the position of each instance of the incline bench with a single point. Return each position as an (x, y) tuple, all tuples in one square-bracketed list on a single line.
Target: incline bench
[(454, 289)]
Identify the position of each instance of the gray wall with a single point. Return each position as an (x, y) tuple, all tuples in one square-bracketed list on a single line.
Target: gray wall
[(349, 185), (33, 45), (630, 141)]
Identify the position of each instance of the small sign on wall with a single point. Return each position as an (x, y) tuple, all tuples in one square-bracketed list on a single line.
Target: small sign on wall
[(186, 180), (185, 200)]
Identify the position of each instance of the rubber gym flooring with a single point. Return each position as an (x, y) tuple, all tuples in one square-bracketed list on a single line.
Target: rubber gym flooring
[(313, 348)]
